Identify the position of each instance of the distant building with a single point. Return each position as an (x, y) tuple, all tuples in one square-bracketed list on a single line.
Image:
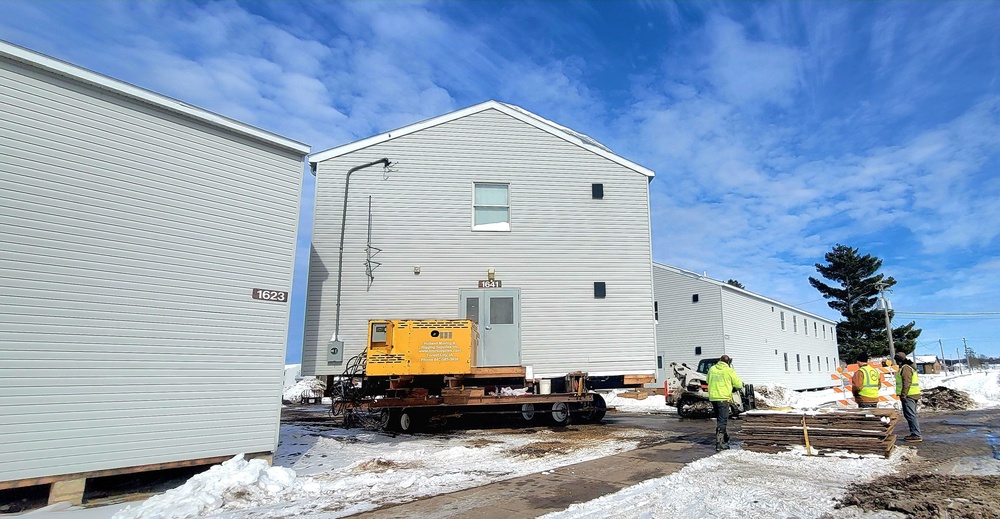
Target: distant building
[(927, 364), (770, 342), (147, 254)]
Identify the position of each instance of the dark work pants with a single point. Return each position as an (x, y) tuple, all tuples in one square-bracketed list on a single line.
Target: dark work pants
[(721, 420)]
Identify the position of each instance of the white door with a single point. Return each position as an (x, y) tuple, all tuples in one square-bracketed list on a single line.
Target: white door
[(497, 312)]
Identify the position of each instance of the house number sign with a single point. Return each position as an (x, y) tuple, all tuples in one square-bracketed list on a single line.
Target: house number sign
[(270, 295), (490, 283)]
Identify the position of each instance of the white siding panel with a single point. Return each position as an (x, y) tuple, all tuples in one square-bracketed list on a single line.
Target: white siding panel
[(740, 324), (131, 241), (757, 343), (561, 241), (684, 325)]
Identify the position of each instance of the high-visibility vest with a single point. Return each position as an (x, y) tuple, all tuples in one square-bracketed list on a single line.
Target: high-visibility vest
[(914, 381), (871, 385)]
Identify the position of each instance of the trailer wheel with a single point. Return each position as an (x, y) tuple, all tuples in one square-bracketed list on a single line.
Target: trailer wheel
[(384, 419), (409, 421), (559, 414), (598, 409), (528, 412)]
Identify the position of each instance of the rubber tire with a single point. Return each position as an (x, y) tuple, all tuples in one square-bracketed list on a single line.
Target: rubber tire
[(384, 419), (408, 421), (596, 414), (528, 412), (559, 414)]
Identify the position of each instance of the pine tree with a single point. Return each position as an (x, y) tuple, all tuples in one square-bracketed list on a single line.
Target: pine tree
[(735, 283), (854, 295)]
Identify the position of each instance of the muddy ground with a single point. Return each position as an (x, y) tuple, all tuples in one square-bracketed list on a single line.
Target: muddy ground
[(930, 496), (937, 485)]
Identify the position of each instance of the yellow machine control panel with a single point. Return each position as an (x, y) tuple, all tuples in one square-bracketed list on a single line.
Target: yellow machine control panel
[(421, 347)]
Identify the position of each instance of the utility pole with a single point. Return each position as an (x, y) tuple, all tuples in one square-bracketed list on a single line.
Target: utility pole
[(941, 345), (958, 360), (888, 324), (967, 361)]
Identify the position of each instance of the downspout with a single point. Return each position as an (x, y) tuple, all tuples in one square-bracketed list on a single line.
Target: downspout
[(340, 260)]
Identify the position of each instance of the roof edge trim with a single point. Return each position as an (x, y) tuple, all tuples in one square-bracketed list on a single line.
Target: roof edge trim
[(515, 112), (65, 69), (723, 284)]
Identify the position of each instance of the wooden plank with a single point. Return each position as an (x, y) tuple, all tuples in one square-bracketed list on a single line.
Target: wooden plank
[(630, 380), (30, 482), (497, 372), (462, 399)]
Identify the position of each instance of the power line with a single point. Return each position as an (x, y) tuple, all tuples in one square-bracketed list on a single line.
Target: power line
[(957, 314)]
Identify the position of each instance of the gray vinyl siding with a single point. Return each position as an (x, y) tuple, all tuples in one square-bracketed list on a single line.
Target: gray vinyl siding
[(684, 325), (561, 242), (130, 240), (757, 344), (743, 325)]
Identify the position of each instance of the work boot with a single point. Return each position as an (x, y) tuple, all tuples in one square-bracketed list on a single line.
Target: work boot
[(913, 439), (721, 442)]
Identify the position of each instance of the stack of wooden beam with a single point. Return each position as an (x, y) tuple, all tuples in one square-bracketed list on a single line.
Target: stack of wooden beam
[(857, 431)]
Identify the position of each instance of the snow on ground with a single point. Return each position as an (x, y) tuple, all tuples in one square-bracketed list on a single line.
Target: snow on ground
[(326, 472), (342, 472), (737, 484)]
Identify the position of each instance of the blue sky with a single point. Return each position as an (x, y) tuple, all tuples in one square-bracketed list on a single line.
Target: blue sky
[(776, 129)]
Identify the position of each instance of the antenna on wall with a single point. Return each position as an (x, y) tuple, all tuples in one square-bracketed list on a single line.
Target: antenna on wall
[(390, 167), (370, 252)]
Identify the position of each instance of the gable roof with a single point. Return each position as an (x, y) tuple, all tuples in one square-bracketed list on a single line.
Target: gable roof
[(516, 112), (120, 88), (926, 359), (727, 286)]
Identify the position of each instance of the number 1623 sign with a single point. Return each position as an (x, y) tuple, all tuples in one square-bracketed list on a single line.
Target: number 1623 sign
[(270, 295)]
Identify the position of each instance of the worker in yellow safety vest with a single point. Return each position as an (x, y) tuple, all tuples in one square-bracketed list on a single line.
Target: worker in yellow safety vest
[(866, 382), (908, 389), (722, 380)]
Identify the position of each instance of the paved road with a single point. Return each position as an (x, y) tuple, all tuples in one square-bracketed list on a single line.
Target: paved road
[(953, 442)]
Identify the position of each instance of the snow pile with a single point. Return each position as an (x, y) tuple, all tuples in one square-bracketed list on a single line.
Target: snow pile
[(740, 484), (982, 387), (650, 404), (309, 387), (235, 482), (775, 396)]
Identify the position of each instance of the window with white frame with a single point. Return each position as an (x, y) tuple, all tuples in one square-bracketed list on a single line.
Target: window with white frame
[(815, 332), (795, 324), (782, 320), (805, 326), (786, 362), (798, 362), (491, 207)]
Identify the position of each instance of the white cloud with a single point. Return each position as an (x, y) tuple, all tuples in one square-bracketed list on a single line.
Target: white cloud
[(744, 70)]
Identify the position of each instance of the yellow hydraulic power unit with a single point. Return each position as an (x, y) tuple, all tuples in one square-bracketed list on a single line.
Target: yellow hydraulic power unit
[(421, 347)]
